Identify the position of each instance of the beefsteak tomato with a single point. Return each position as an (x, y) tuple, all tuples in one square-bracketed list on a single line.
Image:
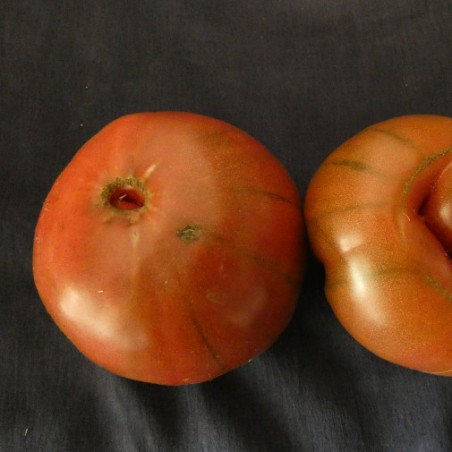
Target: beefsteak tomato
[(379, 216), (170, 249)]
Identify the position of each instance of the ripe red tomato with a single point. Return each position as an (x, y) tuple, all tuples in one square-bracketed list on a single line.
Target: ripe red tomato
[(379, 216), (170, 249)]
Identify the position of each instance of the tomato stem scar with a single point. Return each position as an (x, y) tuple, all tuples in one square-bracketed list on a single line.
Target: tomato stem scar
[(125, 195)]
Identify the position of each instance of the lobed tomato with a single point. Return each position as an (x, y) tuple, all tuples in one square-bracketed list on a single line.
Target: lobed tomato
[(170, 249), (379, 216)]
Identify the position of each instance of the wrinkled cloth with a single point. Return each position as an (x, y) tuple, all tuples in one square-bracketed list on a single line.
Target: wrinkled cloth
[(301, 76)]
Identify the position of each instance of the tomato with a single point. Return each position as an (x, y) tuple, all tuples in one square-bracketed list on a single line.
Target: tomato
[(170, 250), (378, 214)]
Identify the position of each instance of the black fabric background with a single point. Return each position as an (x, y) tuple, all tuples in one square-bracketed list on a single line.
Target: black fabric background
[(299, 75)]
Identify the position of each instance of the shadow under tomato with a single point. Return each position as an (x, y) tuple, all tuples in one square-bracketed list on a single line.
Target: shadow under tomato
[(159, 416), (238, 409)]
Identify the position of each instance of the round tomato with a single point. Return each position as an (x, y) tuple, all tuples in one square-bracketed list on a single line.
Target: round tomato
[(170, 249), (379, 216)]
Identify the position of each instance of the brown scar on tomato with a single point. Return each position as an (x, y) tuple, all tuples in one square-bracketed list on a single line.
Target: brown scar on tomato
[(396, 136), (190, 233), (424, 164), (268, 195), (357, 166)]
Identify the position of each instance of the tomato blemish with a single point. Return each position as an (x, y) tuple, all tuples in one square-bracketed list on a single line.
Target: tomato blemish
[(190, 233)]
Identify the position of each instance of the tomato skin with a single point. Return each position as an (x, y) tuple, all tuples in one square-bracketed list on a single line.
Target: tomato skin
[(170, 250), (370, 211)]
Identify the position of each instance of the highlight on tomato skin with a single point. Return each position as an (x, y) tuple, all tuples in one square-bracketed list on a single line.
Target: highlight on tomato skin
[(171, 248), (378, 216)]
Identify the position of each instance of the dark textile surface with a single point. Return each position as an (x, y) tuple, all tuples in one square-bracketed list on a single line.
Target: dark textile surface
[(299, 75)]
